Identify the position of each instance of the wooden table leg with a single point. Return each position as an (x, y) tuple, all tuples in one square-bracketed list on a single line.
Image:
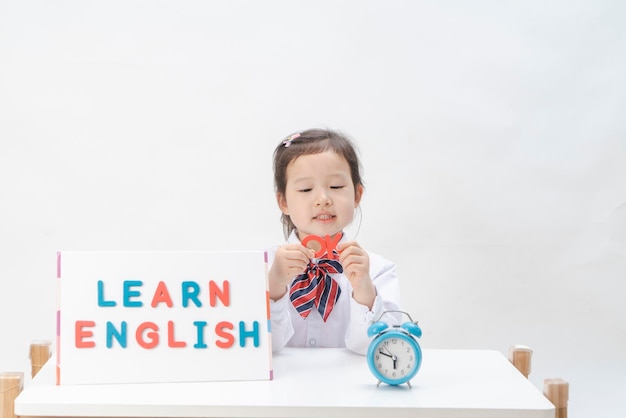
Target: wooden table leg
[(40, 352), (521, 357), (557, 391), (11, 384)]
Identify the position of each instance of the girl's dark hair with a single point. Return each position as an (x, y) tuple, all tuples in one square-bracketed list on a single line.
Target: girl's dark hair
[(312, 141)]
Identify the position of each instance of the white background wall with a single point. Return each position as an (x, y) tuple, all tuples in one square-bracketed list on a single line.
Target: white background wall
[(492, 135)]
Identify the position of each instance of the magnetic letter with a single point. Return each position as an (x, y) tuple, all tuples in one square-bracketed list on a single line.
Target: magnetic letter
[(222, 294), (220, 331), (101, 302), (80, 334), (319, 240), (327, 245), (121, 336), (153, 335), (200, 328), (243, 334), (171, 341), (331, 245), (190, 290), (129, 293), (161, 295)]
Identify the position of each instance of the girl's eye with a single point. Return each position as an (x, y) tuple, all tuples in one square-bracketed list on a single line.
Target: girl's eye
[(305, 190), (337, 187)]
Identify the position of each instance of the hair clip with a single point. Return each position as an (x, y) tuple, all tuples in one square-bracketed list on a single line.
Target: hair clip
[(287, 142)]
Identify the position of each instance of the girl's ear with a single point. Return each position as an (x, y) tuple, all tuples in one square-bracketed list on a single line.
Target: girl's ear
[(358, 194), (282, 203)]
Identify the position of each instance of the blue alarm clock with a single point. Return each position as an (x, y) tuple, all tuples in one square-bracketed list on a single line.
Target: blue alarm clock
[(394, 355)]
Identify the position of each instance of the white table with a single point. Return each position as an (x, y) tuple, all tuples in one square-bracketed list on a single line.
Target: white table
[(319, 382)]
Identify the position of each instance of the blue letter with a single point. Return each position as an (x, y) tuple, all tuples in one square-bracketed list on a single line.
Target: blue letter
[(200, 327), (243, 334), (129, 293), (101, 301), (190, 291), (121, 336)]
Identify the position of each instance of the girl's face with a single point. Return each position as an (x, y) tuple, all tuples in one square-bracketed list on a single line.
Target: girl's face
[(319, 198)]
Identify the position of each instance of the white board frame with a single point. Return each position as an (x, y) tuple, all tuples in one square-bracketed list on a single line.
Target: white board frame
[(90, 280)]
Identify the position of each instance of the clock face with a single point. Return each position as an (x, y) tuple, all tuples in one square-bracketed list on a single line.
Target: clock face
[(394, 357)]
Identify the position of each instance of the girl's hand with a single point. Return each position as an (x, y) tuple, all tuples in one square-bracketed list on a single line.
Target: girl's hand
[(289, 261), (356, 267)]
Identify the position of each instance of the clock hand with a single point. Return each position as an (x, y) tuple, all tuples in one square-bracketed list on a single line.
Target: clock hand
[(385, 354), (386, 349), (393, 357)]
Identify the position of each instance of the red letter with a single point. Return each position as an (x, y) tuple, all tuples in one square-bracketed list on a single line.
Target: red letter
[(219, 330), (320, 252), (171, 341), (161, 294), (153, 335), (222, 294), (327, 245), (331, 245), (80, 334)]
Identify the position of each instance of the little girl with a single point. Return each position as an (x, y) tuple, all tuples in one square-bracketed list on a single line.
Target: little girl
[(330, 300)]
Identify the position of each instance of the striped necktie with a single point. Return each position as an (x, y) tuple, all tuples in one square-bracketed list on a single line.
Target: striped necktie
[(316, 289)]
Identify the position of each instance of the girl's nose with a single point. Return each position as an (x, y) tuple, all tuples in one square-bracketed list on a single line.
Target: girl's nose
[(322, 199)]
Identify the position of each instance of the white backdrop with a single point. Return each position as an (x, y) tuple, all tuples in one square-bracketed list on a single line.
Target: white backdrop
[(492, 136)]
